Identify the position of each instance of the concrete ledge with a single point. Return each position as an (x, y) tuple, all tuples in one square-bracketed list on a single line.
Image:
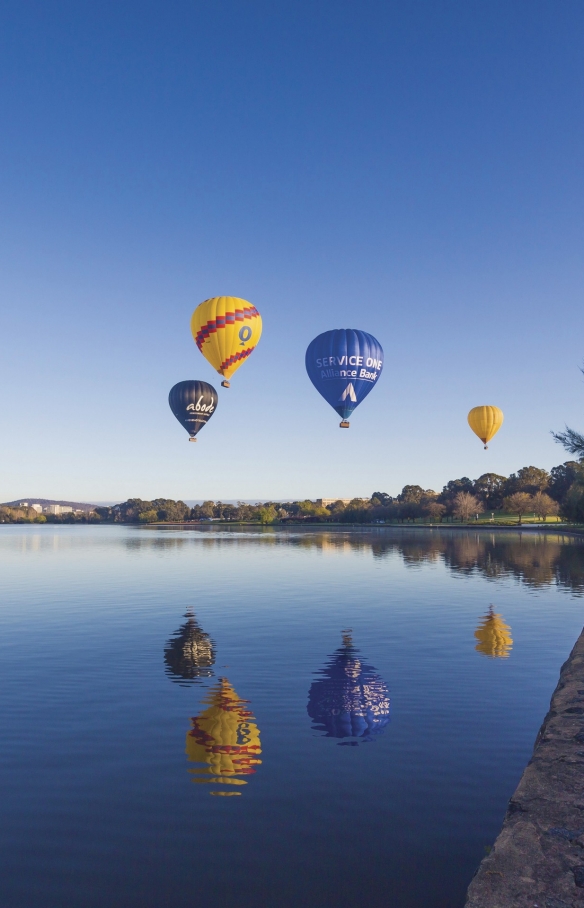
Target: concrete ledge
[(538, 858)]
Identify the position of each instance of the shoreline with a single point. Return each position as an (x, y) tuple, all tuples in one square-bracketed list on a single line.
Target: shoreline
[(537, 860), (561, 529)]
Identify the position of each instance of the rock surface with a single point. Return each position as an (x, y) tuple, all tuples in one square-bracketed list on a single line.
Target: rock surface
[(538, 858)]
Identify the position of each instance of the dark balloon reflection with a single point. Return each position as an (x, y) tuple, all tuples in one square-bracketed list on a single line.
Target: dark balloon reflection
[(351, 700), (225, 739), (190, 653)]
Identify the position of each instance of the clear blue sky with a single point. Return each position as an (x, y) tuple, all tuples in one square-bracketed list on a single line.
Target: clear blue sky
[(410, 169)]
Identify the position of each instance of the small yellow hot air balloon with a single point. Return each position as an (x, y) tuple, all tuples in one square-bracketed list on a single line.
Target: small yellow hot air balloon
[(494, 636), (485, 422), (225, 739), (226, 330)]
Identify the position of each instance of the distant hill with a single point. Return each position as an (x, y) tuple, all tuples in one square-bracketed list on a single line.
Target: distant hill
[(76, 505)]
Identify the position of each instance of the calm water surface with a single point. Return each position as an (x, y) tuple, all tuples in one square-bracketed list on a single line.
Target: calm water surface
[(269, 718)]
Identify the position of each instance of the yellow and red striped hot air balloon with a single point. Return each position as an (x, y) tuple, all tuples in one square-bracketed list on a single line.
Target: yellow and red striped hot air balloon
[(226, 330), (485, 422)]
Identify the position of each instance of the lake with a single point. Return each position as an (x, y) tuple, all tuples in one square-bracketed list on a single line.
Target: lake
[(237, 718)]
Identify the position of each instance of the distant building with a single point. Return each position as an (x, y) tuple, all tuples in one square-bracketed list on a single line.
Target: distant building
[(324, 502), (58, 509), (37, 507)]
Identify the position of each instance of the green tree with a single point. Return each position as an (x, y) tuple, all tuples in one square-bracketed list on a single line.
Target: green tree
[(518, 503), (411, 494), (150, 516), (244, 511), (382, 497), (527, 479), (267, 515), (573, 505), (451, 490), (336, 508), (489, 487), (561, 478)]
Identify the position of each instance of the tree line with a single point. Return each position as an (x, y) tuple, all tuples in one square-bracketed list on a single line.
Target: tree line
[(531, 490)]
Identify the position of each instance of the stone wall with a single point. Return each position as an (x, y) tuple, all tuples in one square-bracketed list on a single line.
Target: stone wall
[(538, 858)]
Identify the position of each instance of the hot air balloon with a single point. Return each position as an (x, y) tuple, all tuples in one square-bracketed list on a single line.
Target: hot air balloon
[(344, 365), (189, 654), (225, 739), (350, 700), (485, 422), (226, 330), (193, 403), (494, 636)]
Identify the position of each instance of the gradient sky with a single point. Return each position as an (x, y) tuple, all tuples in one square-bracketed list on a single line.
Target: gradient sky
[(411, 169)]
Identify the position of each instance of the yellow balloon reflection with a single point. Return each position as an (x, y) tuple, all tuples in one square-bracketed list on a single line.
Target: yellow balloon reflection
[(225, 738), (494, 636)]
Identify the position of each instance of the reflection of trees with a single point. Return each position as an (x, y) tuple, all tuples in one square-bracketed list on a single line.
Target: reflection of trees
[(224, 739), (190, 653), (535, 559), (494, 636), (350, 700)]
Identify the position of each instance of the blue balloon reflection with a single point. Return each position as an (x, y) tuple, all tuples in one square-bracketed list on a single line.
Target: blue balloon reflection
[(351, 700)]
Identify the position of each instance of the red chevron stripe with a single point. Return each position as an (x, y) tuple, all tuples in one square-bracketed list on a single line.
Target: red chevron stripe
[(229, 318), (241, 354)]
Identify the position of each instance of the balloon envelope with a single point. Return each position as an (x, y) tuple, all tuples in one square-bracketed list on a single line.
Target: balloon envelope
[(226, 330), (193, 403), (350, 700), (344, 365), (225, 739), (485, 422)]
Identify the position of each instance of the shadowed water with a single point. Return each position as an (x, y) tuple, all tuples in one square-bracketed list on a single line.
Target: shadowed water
[(269, 718)]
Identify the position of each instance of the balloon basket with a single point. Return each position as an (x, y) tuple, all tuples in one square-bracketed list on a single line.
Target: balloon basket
[(225, 384), (192, 439), (344, 424), (486, 447)]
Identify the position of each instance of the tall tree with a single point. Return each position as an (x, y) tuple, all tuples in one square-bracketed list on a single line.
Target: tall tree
[(490, 487), (527, 479), (382, 497), (452, 488), (561, 478), (411, 494), (572, 441)]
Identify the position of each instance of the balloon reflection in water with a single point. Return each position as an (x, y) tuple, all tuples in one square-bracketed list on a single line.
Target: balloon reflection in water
[(190, 653), (351, 700), (494, 636), (225, 738)]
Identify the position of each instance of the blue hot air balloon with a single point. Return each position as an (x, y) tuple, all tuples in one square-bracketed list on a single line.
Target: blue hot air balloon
[(344, 365), (350, 700)]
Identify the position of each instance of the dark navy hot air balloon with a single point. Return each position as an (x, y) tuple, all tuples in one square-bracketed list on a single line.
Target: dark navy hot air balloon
[(193, 403), (350, 700), (344, 365)]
